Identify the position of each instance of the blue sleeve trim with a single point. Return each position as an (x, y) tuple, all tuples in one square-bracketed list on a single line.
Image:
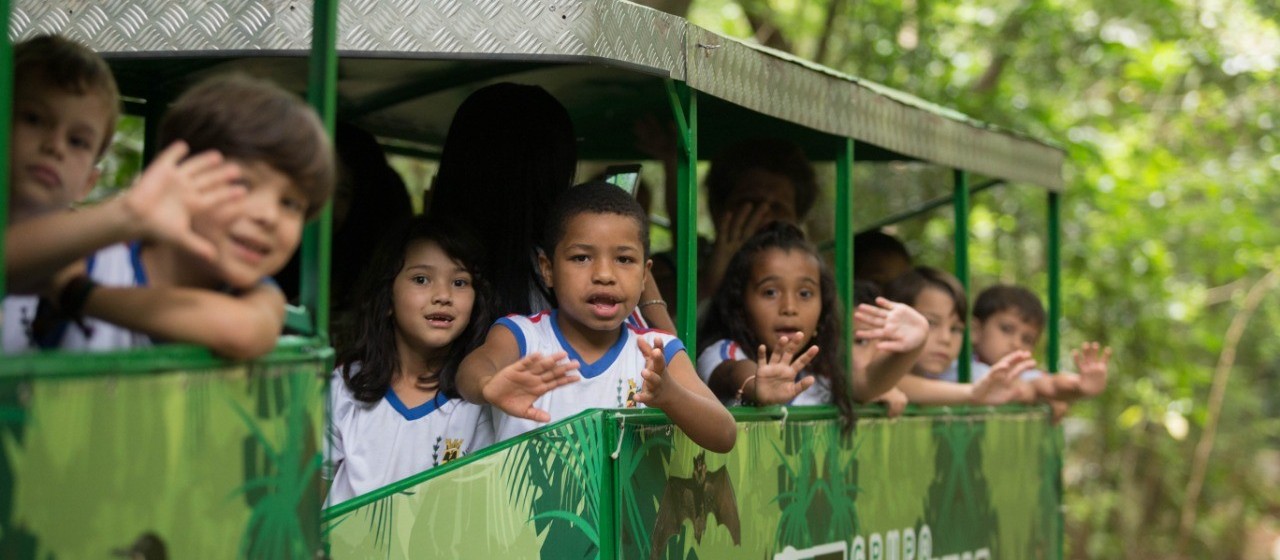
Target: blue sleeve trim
[(671, 347), (515, 331)]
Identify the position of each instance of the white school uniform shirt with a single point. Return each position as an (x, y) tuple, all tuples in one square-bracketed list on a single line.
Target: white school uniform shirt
[(375, 444), (117, 266), (610, 382), (724, 350)]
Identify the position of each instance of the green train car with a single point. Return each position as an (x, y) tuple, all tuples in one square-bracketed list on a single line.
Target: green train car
[(173, 452)]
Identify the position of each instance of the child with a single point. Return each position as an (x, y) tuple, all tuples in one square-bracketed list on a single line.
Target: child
[(65, 106), (776, 309), (940, 298), (394, 405), (1008, 319), (595, 261), (886, 332), (209, 283)]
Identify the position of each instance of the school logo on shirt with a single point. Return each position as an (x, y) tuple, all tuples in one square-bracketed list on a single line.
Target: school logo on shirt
[(452, 450), (630, 401)]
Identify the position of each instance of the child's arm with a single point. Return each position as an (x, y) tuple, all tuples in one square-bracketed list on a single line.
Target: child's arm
[(495, 374), (769, 379), (996, 388), (158, 206), (895, 401), (676, 389), (656, 314), (899, 332), (240, 327)]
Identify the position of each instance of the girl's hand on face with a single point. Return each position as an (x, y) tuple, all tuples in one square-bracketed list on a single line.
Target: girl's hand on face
[(657, 389), (515, 387), (775, 381), (998, 386), (895, 401), (895, 327), (1091, 364)]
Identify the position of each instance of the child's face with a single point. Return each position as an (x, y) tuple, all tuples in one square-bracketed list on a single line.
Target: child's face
[(946, 331), (784, 296), (55, 144), (598, 270), (1001, 334), (432, 297), (255, 236)]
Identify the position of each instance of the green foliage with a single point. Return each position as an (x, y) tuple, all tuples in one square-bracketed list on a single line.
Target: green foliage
[(1167, 112)]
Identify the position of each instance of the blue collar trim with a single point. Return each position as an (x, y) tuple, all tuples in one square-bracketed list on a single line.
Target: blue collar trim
[(417, 411), (590, 370)]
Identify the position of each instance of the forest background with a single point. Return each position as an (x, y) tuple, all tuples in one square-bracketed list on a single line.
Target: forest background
[(1168, 111)]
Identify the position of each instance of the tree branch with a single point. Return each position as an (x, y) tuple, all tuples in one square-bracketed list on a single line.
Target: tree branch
[(1227, 359), (1009, 33), (761, 20), (828, 25)]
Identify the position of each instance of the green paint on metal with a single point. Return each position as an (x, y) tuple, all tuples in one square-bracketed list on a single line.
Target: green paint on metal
[(684, 106), (1055, 281), (6, 116), (145, 361), (322, 80), (219, 463), (799, 483), (961, 204), (844, 244)]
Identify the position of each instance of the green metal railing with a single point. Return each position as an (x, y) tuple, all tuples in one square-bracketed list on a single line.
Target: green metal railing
[(6, 115), (322, 80), (684, 107), (962, 264), (844, 245)]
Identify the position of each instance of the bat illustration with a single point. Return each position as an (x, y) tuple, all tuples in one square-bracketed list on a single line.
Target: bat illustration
[(148, 546), (693, 499)]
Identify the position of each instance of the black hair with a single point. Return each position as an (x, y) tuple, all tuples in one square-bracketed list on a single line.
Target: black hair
[(871, 249), (596, 197), (727, 315), (509, 153), (1001, 297), (768, 154), (865, 292), (373, 332), (907, 288)]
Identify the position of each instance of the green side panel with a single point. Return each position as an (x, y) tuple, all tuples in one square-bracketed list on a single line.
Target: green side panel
[(217, 463), (975, 484), (505, 502), (922, 487)]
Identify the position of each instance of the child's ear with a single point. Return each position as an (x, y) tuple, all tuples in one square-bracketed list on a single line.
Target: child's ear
[(544, 265)]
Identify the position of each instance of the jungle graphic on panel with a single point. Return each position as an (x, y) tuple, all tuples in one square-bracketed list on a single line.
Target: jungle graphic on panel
[(220, 463), (915, 487)]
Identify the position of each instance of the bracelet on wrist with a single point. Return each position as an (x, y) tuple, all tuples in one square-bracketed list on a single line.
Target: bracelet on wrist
[(738, 398), (74, 295), (652, 302)]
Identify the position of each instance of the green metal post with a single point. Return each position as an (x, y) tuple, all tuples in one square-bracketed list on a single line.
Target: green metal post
[(322, 79), (684, 104), (961, 204), (6, 114), (610, 521), (844, 245), (1055, 282)]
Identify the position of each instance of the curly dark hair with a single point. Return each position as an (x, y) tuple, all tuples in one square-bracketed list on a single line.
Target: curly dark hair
[(727, 315), (372, 340)]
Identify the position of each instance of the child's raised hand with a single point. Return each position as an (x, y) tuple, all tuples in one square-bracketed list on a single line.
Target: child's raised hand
[(895, 401), (775, 381), (999, 386), (895, 327), (657, 387), (515, 387), (1091, 364), (172, 190)]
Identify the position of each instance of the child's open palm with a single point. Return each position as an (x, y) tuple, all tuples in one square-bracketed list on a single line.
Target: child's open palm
[(1091, 363), (776, 375), (895, 327), (514, 388), (657, 385), (999, 386), (171, 191)]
